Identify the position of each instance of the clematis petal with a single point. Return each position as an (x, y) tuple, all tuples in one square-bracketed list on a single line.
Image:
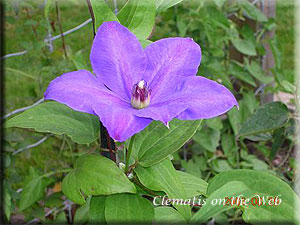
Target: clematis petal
[(168, 59), (205, 98), (118, 58), (164, 111), (120, 122), (192, 98), (82, 91)]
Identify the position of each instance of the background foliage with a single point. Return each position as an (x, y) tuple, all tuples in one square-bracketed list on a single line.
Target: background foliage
[(260, 136)]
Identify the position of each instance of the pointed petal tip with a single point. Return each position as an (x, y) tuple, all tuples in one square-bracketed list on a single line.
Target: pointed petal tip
[(117, 58), (235, 102), (167, 125)]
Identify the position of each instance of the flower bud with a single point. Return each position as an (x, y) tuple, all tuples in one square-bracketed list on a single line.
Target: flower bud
[(140, 97)]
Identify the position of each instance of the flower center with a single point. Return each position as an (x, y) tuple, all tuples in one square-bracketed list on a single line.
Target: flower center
[(140, 97)]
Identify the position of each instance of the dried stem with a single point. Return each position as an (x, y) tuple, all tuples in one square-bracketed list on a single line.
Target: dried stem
[(92, 15), (60, 28), (32, 26), (112, 153), (106, 141), (129, 150)]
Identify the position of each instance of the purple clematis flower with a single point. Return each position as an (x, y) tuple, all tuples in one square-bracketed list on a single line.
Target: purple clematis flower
[(134, 86)]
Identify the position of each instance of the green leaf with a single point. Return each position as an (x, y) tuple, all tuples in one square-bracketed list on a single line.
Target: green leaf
[(82, 213), (97, 209), (164, 177), (278, 140), (168, 214), (235, 119), (229, 147), (215, 123), (250, 104), (256, 71), (181, 25), (145, 43), (260, 137), (162, 5), (208, 139), (244, 46), (95, 175), (79, 61), (220, 3), (192, 167), (215, 68), (220, 165), (288, 87), (7, 201), (119, 4), (128, 208), (252, 11), (156, 142), (246, 107), (53, 200), (262, 184), (259, 165), (277, 54), (192, 185), (217, 17), (139, 17), (47, 7), (210, 209), (33, 191), (268, 117), (238, 71), (20, 72), (247, 33), (56, 118), (60, 218), (102, 13)]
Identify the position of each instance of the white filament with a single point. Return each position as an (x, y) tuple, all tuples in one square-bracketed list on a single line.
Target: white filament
[(141, 84)]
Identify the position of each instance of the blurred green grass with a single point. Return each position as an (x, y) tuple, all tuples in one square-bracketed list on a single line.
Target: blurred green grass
[(285, 32), (40, 63), (22, 90)]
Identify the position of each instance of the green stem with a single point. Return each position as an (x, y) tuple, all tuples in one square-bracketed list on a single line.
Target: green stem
[(57, 171), (129, 150), (138, 183), (207, 176), (238, 151)]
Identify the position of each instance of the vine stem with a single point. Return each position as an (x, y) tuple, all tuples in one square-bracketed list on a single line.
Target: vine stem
[(106, 141), (57, 171), (129, 150), (138, 183), (92, 15), (290, 149), (109, 146), (60, 28)]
